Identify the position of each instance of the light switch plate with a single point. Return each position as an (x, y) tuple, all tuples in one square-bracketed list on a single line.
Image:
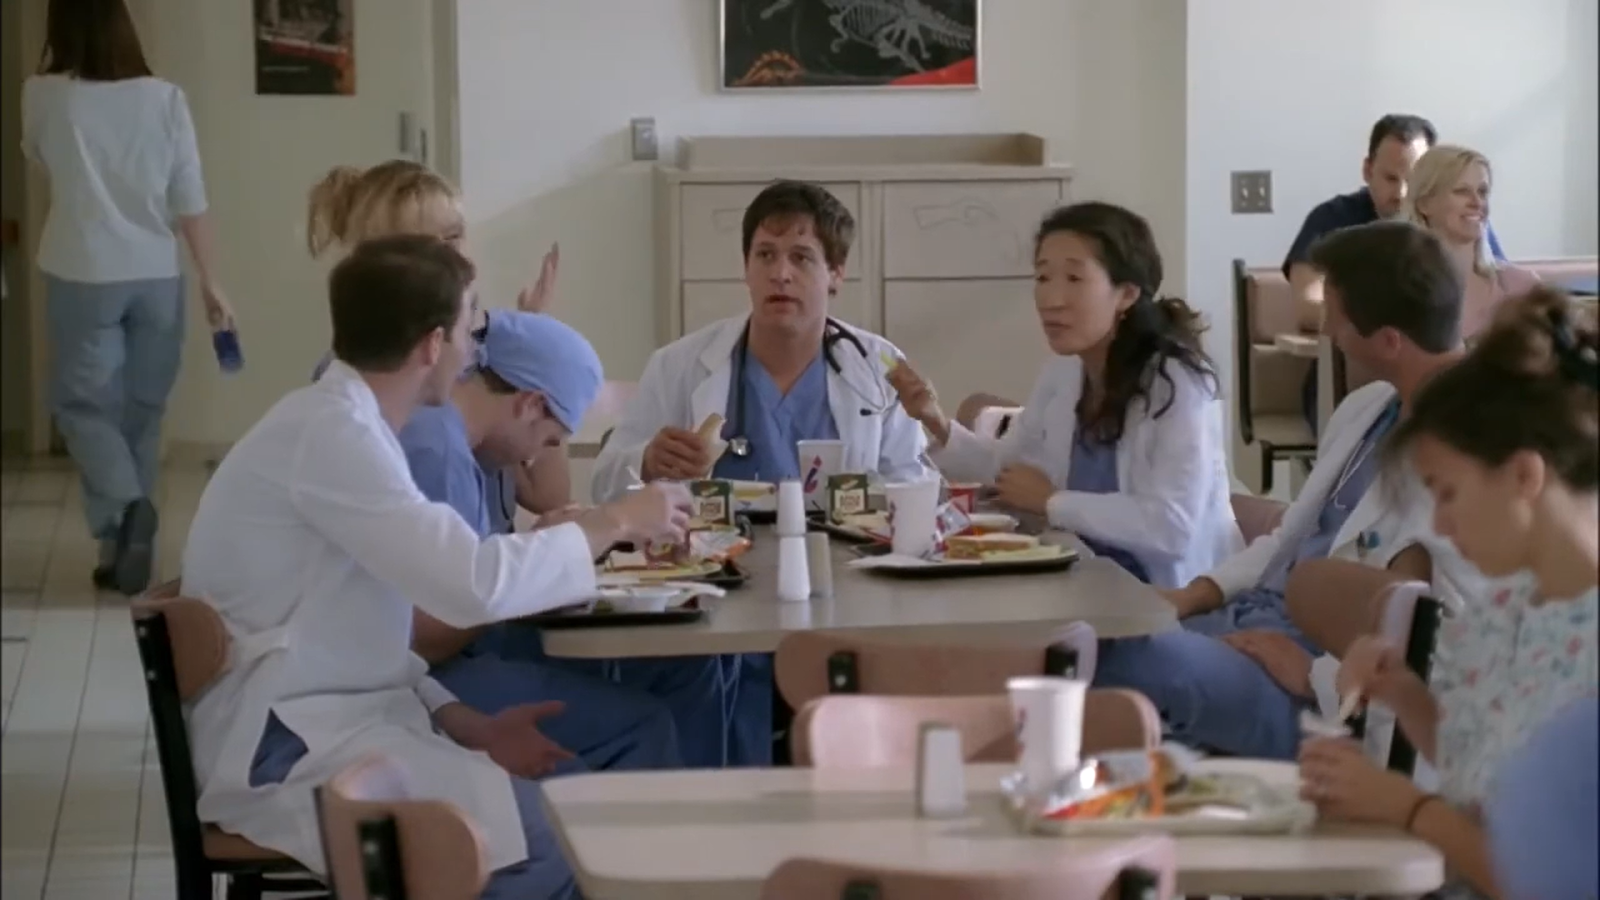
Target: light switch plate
[(644, 139), (1252, 192)]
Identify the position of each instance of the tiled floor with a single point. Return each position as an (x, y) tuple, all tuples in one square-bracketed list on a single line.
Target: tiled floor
[(83, 815)]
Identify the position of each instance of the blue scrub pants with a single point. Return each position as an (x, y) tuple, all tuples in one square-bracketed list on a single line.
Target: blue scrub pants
[(691, 688), (1209, 694), (749, 709), (115, 350), (544, 875), (606, 725)]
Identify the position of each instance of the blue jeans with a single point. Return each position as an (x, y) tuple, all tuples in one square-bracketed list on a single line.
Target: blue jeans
[(115, 350), (606, 725), (691, 688), (544, 875), (1209, 694)]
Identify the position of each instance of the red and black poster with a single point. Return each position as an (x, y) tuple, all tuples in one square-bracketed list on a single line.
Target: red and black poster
[(884, 44), (305, 47)]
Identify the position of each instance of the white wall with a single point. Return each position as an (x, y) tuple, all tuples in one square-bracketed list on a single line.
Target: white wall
[(1294, 87), (548, 87), (1153, 101)]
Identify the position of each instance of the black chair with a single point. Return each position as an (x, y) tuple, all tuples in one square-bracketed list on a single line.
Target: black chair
[(201, 853)]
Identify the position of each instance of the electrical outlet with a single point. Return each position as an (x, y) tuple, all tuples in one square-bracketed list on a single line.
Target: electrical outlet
[(644, 139), (1252, 192)]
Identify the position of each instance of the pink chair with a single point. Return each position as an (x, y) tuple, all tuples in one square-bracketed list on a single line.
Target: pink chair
[(382, 843), (810, 664), (844, 731), (1084, 875), (1257, 516)]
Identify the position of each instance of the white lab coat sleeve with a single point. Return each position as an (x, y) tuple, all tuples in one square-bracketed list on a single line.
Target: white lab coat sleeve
[(344, 485), (1160, 511), (434, 695), (967, 456), (651, 409), (903, 450)]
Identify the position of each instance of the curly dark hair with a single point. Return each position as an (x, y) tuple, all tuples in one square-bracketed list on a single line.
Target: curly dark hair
[(1153, 331)]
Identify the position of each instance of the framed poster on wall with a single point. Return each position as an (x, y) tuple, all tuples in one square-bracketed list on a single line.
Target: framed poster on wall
[(849, 44), (305, 47)]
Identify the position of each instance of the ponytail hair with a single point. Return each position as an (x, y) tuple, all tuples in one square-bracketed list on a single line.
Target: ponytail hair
[(351, 205), (1531, 382), (1153, 332)]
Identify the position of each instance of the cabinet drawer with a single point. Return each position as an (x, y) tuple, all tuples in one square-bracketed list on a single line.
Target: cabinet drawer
[(968, 336), (710, 217), (705, 302), (979, 229)]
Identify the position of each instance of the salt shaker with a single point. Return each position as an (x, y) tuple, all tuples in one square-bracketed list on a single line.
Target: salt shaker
[(794, 576), (941, 772), (791, 510), (819, 557)]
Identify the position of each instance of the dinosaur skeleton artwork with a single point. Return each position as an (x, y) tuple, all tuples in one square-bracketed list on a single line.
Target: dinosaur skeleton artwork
[(892, 27)]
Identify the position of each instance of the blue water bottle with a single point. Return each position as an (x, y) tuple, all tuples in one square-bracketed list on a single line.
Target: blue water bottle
[(226, 345)]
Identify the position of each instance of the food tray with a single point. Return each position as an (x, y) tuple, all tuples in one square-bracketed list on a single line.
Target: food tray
[(730, 576), (965, 569), (844, 533), (580, 616), (1279, 811)]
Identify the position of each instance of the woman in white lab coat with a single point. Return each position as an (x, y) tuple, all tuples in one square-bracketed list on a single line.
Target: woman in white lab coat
[(1122, 440)]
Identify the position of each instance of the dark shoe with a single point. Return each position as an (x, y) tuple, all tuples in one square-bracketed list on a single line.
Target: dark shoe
[(105, 578), (136, 549)]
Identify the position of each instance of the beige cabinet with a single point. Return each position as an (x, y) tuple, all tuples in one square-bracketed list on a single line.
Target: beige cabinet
[(968, 335), (943, 258)]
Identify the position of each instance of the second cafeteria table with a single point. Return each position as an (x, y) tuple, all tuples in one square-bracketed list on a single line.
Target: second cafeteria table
[(717, 835), (983, 609)]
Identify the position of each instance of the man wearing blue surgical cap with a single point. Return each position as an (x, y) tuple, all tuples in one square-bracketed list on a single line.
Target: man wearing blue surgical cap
[(534, 380), (1543, 814)]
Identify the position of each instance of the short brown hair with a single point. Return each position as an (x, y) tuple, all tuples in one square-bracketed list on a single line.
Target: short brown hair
[(390, 293), (93, 40), (1532, 382), (1394, 275), (784, 200)]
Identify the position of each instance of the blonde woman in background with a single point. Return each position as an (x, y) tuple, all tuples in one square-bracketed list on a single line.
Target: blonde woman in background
[(351, 205), (119, 149), (1448, 194)]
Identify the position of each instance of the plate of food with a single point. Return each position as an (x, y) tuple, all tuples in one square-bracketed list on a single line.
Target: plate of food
[(971, 555), (707, 556), (1169, 789)]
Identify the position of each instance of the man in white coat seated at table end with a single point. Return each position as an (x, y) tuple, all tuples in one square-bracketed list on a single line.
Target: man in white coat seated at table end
[(313, 544)]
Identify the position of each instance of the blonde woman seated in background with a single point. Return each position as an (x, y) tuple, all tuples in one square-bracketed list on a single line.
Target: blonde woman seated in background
[(1508, 443), (351, 205), (1122, 440), (1448, 194)]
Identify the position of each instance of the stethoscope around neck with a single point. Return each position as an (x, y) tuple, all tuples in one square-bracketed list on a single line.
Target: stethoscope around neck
[(833, 331)]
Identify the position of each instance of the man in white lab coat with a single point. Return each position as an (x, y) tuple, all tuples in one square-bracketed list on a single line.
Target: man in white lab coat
[(1236, 675), (783, 372), (314, 545)]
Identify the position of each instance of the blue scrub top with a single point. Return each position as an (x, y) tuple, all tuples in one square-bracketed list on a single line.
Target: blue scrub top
[(1094, 471), (442, 464), (1542, 812), (773, 422)]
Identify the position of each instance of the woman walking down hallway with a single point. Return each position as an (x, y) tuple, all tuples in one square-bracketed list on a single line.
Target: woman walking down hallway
[(118, 147)]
